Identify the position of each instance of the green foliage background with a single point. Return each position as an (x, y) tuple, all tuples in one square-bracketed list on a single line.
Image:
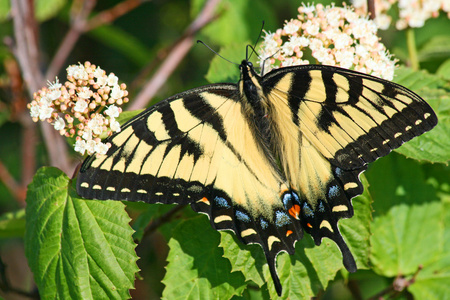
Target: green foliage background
[(85, 249)]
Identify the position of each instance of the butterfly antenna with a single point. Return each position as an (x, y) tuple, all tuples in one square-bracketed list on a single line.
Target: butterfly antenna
[(256, 43), (216, 53)]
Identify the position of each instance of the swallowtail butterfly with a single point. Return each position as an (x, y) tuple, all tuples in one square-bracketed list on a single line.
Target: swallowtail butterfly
[(268, 158)]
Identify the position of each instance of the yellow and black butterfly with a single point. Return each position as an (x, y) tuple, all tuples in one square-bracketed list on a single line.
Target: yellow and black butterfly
[(267, 157)]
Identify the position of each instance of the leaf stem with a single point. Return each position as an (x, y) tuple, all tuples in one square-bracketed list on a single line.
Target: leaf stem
[(412, 50), (161, 220)]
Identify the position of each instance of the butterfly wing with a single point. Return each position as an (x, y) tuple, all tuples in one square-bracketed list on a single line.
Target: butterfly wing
[(340, 121), (199, 148)]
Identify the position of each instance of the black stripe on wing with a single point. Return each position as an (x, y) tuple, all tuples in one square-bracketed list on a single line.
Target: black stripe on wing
[(130, 169)]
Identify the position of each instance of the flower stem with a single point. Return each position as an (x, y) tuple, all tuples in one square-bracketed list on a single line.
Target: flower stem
[(411, 43)]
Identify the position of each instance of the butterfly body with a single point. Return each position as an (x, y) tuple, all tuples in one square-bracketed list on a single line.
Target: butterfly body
[(268, 158)]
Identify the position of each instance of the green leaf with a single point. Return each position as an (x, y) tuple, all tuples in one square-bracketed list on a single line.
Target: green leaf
[(196, 268), (396, 180), (221, 70), (240, 20), (77, 249), (432, 281), (444, 70), (12, 224), (144, 219), (46, 9), (248, 259), (406, 238), (436, 47), (123, 42), (433, 146), (357, 230), (125, 116), (5, 8)]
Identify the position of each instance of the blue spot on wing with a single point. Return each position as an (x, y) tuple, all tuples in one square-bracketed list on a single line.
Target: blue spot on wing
[(281, 219), (338, 172), (290, 199), (241, 216), (307, 210), (221, 202), (333, 191), (264, 224), (321, 207)]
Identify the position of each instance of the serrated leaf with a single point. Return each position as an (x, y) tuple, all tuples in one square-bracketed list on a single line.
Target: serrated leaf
[(196, 268), (407, 237), (247, 259), (12, 224), (432, 281), (77, 249), (433, 146), (417, 80)]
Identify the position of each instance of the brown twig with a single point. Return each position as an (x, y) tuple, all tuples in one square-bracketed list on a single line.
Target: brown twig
[(81, 24), (109, 15), (161, 220), (176, 55), (77, 28), (6, 287), (398, 286), (8, 180), (26, 50), (371, 9)]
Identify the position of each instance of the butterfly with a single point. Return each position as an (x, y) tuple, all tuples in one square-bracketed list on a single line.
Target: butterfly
[(269, 158)]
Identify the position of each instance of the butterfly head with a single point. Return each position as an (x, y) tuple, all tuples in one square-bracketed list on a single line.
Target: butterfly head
[(250, 83)]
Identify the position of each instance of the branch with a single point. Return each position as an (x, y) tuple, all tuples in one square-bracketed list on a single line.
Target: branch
[(77, 27), (161, 220), (109, 15), (176, 55), (81, 25), (371, 9), (399, 285), (9, 181), (6, 287), (26, 51)]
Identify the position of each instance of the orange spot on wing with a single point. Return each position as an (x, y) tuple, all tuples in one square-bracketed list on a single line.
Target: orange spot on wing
[(295, 211), (309, 225), (204, 200), (289, 232)]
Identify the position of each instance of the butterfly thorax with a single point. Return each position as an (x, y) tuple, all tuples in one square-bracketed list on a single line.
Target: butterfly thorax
[(250, 88), (255, 103)]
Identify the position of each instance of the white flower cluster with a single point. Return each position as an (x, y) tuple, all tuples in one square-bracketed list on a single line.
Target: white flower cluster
[(411, 13), (334, 36), (88, 101)]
